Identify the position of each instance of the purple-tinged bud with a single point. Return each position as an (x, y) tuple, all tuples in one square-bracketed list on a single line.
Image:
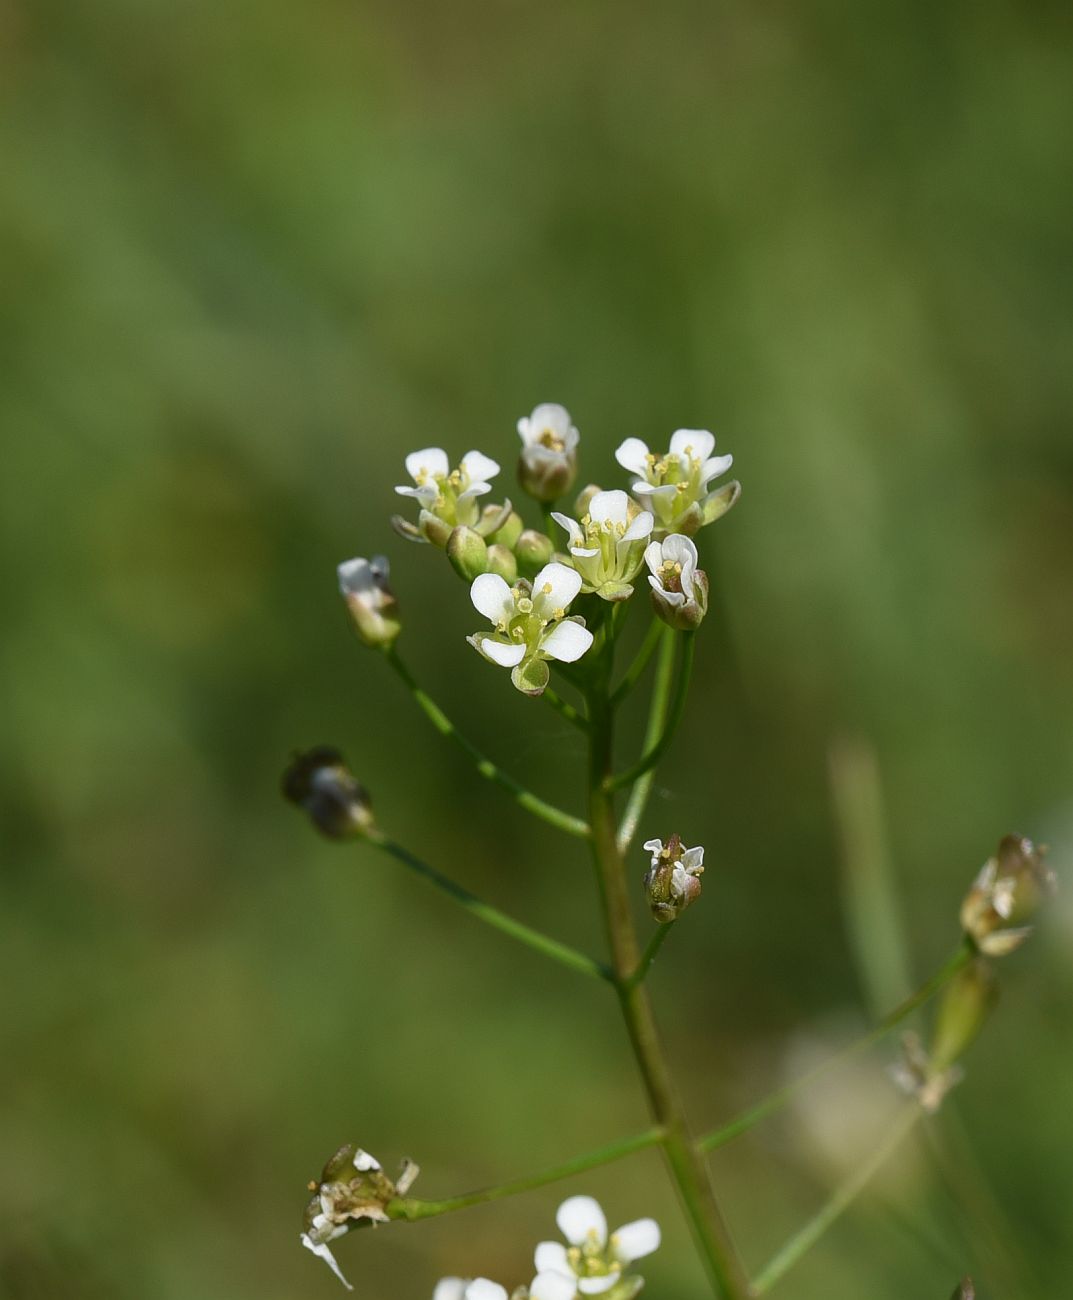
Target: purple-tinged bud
[(370, 600), (672, 882), (1012, 886)]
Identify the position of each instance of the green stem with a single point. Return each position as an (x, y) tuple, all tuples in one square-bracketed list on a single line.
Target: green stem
[(778, 1099), (541, 943), (678, 707), (649, 955), (657, 716), (529, 801), (567, 710), (412, 1210), (712, 1237), (841, 1199), (633, 674)]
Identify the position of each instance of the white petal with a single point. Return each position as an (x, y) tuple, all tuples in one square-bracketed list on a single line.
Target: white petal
[(476, 465), (697, 443), (500, 652), (635, 1240), (482, 1289), (433, 460), (681, 550), (584, 552), (632, 455), (594, 1285), (566, 642), (363, 1161), (610, 507), (355, 577), (647, 489), (477, 489), (553, 1286), (572, 527), (492, 597), (641, 527), (548, 416), (654, 560), (322, 1252), (550, 1256), (714, 467), (580, 1215), (653, 846), (450, 1288), (693, 860), (563, 585), (426, 495)]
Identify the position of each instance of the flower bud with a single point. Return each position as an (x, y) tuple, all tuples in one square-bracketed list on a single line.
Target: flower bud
[(434, 529), (370, 600), (584, 500), (320, 782), (999, 908), (672, 882), (509, 531), (533, 550), (964, 1290), (468, 552), (548, 461), (966, 1003), (501, 561)]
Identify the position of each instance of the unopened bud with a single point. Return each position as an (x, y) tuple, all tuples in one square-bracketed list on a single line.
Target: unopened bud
[(965, 1005), (468, 553), (1006, 895), (320, 782), (509, 531), (964, 1290), (370, 600), (434, 529), (501, 561), (672, 881), (584, 500), (533, 550)]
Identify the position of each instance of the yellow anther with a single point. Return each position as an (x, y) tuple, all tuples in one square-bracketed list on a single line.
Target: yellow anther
[(559, 613), (546, 589), (550, 439)]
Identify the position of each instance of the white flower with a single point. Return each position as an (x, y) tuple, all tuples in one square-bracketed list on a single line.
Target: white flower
[(593, 1261), (365, 588), (447, 498), (549, 451), (675, 484), (531, 624), (673, 880), (461, 1288), (679, 588), (608, 544)]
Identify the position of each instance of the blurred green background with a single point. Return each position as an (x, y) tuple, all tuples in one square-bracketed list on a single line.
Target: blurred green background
[(256, 252)]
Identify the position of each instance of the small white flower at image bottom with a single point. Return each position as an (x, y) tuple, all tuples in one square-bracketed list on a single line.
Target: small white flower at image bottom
[(594, 1259), (531, 624), (480, 1288)]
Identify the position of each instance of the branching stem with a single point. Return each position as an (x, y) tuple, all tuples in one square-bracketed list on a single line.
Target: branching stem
[(413, 1210), (778, 1099), (534, 939), (841, 1199), (489, 770)]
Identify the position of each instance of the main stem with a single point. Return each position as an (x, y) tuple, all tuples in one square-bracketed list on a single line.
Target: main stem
[(710, 1232)]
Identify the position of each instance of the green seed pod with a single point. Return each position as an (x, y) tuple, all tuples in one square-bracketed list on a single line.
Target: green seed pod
[(965, 1005)]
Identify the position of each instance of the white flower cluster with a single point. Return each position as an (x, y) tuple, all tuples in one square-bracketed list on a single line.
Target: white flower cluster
[(592, 1262), (519, 581)]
